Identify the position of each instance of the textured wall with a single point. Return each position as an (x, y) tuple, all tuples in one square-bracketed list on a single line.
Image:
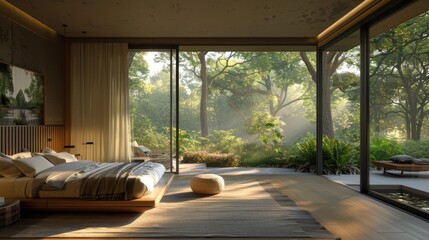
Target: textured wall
[(28, 48), (14, 139)]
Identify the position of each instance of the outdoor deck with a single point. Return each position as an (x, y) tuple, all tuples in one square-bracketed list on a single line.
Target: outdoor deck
[(417, 180)]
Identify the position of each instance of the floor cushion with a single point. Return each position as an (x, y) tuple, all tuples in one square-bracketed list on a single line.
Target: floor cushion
[(207, 184)]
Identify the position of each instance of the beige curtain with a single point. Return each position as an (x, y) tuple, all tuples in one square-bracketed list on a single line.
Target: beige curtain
[(99, 101)]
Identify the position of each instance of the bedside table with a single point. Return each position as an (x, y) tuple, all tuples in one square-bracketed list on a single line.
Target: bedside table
[(9, 212)]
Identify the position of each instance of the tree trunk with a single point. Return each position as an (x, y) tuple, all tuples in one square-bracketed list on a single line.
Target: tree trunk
[(269, 89), (408, 127), (204, 95), (419, 129), (327, 123), (330, 67), (413, 113), (376, 119)]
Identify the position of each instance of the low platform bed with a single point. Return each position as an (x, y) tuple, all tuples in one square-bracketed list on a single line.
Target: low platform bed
[(58, 181), (146, 202)]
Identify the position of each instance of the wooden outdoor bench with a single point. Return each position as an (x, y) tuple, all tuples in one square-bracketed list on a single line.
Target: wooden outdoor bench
[(408, 167)]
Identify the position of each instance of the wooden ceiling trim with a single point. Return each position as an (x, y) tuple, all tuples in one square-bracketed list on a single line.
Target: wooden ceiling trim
[(18, 16), (216, 41), (349, 20)]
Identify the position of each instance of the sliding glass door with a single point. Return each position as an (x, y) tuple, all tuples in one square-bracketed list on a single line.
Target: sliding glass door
[(247, 107), (399, 109), (153, 105), (391, 52), (340, 110)]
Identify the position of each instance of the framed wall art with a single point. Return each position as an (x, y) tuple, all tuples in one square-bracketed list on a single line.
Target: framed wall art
[(21, 96)]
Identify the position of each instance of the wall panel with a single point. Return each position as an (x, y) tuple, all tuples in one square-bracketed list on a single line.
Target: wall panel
[(14, 139)]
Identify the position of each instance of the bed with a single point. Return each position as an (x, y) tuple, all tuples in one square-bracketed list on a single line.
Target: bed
[(23, 187), (83, 185)]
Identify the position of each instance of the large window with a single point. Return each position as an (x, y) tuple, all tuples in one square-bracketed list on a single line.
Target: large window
[(152, 105), (246, 108), (340, 108), (236, 108), (399, 110)]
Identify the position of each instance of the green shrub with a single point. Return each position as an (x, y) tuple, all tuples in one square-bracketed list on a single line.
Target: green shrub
[(187, 141), (338, 156), (154, 140), (212, 159), (383, 148), (302, 153), (257, 155), (418, 149), (305, 151), (224, 141), (267, 128), (145, 133)]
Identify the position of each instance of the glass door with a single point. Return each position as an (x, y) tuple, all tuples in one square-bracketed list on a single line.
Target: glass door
[(399, 104), (153, 105)]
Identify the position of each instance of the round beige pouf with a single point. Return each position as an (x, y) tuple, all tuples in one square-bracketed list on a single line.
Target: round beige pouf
[(207, 184)]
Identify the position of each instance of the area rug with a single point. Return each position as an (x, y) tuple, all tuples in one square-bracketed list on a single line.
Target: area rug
[(249, 207)]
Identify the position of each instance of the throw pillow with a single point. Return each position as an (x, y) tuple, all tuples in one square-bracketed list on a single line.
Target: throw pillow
[(59, 158), (8, 169), (30, 167), (402, 158), (21, 155)]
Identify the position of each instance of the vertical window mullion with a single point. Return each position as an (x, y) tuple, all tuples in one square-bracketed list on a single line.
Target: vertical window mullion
[(319, 111), (364, 109)]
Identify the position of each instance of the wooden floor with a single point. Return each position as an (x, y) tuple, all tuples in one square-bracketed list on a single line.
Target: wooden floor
[(342, 211), (349, 214), (248, 207)]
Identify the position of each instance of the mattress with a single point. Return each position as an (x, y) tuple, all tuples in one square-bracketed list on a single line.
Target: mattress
[(137, 185), (71, 189), (22, 187)]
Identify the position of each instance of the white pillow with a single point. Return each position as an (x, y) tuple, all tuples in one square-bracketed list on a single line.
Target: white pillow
[(61, 157), (8, 169), (21, 155), (48, 150), (30, 167), (134, 144)]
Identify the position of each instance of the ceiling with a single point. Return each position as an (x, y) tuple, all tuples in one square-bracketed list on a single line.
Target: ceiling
[(187, 18)]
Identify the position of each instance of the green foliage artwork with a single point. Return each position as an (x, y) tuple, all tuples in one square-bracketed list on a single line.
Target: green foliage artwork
[(21, 96)]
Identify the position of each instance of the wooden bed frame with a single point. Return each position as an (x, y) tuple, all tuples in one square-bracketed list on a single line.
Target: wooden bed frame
[(68, 204), (408, 167)]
